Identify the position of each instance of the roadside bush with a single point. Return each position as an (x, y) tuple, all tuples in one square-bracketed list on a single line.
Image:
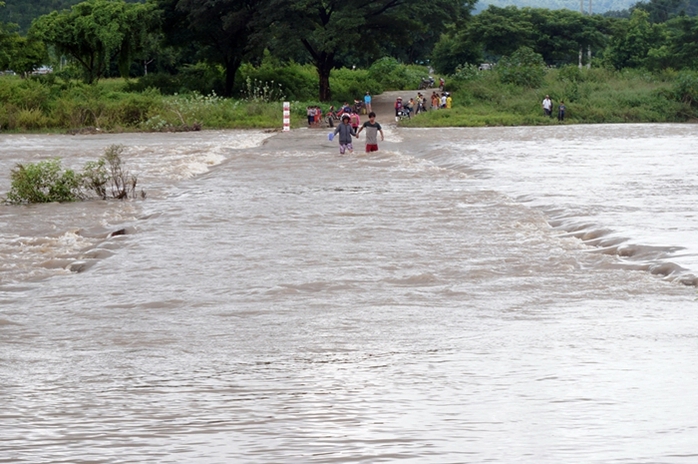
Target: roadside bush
[(350, 84), (199, 77), (30, 119), (686, 88), (294, 81), (467, 72), (383, 67), (69, 113), (394, 75), (164, 83), (570, 73), (136, 108), (524, 68)]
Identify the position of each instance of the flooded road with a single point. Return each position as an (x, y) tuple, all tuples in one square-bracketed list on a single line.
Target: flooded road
[(462, 295)]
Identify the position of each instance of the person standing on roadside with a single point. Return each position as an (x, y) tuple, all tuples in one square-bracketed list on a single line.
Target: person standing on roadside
[(367, 102), (372, 130), (398, 108), (547, 106), (311, 115), (355, 120)]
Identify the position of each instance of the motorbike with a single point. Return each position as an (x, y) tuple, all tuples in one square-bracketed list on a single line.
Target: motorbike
[(358, 107), (426, 83), (403, 113), (331, 116)]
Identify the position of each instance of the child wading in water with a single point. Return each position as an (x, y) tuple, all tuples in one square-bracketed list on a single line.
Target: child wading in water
[(345, 132), (372, 129)]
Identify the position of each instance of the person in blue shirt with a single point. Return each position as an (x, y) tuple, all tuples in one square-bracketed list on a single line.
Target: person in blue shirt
[(367, 102)]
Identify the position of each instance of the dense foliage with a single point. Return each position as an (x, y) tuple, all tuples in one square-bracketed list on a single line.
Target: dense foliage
[(96, 33), (180, 51), (52, 102), (23, 12)]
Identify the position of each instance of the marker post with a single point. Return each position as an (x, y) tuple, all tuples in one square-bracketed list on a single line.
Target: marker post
[(287, 116)]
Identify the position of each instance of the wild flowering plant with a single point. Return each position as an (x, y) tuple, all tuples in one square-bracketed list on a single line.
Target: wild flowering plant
[(184, 112), (262, 91)]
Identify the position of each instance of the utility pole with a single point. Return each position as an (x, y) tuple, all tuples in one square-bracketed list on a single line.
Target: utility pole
[(581, 48), (589, 46), (581, 51)]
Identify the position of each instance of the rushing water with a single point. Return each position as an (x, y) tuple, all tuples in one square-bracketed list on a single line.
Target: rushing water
[(462, 295)]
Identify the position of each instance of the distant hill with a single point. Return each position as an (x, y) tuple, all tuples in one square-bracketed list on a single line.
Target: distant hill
[(597, 6)]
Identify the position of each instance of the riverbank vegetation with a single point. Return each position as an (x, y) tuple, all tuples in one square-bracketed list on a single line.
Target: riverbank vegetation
[(589, 95), (165, 65), (159, 102)]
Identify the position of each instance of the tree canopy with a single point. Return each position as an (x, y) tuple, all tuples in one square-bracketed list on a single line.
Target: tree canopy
[(96, 32), (215, 37), (359, 30), (221, 30)]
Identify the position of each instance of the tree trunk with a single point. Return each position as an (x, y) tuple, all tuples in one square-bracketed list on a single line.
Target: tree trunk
[(231, 68), (324, 65)]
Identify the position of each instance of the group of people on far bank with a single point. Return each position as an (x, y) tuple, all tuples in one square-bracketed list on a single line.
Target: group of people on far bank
[(420, 104), (548, 108)]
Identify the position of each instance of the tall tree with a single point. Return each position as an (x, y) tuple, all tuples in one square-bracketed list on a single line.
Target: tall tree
[(328, 29), (683, 42), (501, 31), (631, 44), (560, 33), (23, 12), (221, 30), (660, 10), (96, 32), (21, 54), (556, 35)]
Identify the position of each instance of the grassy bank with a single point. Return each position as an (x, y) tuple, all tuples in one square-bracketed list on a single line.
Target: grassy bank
[(481, 98), (31, 105), (56, 102), (590, 96)]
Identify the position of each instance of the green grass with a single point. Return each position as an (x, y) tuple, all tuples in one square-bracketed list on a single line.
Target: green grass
[(51, 104), (28, 105), (591, 96)]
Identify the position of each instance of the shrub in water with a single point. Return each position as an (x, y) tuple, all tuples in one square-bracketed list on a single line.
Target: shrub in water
[(44, 182), (107, 176)]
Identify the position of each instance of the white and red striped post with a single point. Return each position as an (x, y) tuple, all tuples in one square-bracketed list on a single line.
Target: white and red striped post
[(287, 116)]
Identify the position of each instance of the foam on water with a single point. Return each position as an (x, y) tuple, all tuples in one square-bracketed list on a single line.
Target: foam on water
[(629, 190)]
